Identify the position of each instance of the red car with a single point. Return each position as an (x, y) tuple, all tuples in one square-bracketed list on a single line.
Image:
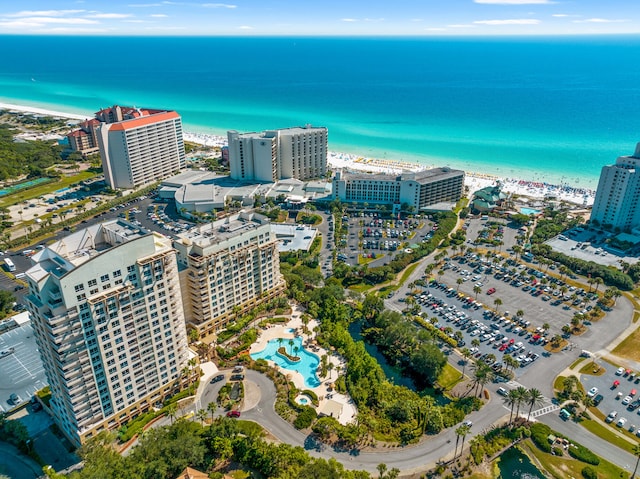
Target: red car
[(491, 290), (503, 347), (233, 413)]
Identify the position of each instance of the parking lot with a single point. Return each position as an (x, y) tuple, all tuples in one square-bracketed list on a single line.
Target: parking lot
[(380, 238), (488, 336), (589, 246), (21, 371), (518, 287), (613, 397)]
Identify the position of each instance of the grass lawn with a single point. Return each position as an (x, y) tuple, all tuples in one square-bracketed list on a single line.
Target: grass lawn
[(576, 362), (628, 348), (593, 369), (557, 384), (360, 288), (606, 433), (551, 349), (565, 466), (407, 272), (449, 377), (364, 260), (45, 189)]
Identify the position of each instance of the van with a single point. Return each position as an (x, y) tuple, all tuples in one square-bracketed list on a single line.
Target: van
[(238, 369), (564, 414)]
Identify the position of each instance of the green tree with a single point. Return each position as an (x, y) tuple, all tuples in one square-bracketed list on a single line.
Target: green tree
[(534, 399)]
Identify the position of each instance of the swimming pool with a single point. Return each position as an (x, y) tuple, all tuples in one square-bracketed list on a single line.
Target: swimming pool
[(307, 365), (529, 211)]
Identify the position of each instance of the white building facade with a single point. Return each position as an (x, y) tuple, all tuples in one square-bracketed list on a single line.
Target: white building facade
[(141, 150), (618, 195), (107, 313), (226, 269), (419, 190), (272, 155)]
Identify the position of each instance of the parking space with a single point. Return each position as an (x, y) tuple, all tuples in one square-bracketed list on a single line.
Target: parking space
[(619, 391), (21, 371)]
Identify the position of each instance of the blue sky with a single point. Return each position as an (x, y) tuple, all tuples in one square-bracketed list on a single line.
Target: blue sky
[(320, 17)]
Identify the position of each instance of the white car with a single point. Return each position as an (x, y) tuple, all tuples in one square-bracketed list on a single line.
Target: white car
[(621, 422), (627, 400), (612, 415), (619, 371), (592, 392)]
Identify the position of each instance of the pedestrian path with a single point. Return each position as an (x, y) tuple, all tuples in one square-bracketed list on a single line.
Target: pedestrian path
[(548, 407), (545, 410)]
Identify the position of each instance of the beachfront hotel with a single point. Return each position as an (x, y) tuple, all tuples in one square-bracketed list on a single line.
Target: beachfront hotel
[(107, 312), (272, 155), (432, 189), (618, 194), (227, 268)]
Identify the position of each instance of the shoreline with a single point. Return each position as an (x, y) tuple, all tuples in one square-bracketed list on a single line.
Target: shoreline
[(535, 189)]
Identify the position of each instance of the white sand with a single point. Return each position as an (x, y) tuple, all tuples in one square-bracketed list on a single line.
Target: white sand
[(475, 181)]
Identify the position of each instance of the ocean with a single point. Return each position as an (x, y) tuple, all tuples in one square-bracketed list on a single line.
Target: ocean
[(550, 109)]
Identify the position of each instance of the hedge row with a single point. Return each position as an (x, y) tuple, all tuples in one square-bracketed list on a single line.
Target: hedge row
[(539, 435), (440, 334), (583, 454)]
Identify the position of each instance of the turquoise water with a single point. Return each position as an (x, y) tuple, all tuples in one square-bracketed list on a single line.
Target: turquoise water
[(307, 366), (21, 186), (513, 464), (545, 108), (529, 211)]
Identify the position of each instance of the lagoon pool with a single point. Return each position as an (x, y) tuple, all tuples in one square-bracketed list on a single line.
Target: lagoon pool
[(529, 211), (307, 365)]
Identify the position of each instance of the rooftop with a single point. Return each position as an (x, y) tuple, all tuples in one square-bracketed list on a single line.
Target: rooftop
[(224, 229)]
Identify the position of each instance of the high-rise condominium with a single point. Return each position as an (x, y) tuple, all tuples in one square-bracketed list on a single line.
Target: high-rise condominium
[(107, 312)]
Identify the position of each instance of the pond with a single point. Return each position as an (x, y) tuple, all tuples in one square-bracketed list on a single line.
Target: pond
[(515, 464), (393, 374)]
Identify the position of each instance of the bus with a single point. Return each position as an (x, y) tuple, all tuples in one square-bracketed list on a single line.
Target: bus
[(9, 265)]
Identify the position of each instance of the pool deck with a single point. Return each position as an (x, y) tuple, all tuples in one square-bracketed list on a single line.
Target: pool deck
[(322, 391)]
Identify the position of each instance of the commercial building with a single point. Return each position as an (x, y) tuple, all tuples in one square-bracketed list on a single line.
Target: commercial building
[(107, 313), (272, 155), (618, 195), (226, 269), (85, 139), (432, 189)]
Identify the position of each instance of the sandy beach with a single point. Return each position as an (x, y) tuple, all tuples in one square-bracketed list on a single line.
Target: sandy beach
[(536, 190)]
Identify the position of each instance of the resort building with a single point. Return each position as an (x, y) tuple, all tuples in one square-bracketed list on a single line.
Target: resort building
[(141, 150), (428, 190), (227, 268), (272, 155), (617, 202), (85, 139), (107, 313), (487, 199)]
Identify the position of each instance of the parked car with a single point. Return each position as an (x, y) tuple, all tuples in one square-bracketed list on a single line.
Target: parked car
[(217, 378), (592, 392), (598, 399), (233, 413), (611, 416)]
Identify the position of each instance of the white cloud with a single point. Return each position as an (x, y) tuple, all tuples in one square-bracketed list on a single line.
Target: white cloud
[(461, 25), (109, 15), (416, 20), (514, 2), (66, 30), (219, 5), (20, 24), (245, 27), (348, 20), (513, 21), (144, 5), (159, 15), (44, 13), (436, 29), (60, 21), (599, 20)]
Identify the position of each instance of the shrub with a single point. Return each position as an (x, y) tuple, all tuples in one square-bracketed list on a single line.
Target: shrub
[(539, 434), (557, 451), (583, 454), (589, 473)]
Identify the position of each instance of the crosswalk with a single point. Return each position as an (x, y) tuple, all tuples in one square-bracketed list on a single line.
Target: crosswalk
[(548, 405)]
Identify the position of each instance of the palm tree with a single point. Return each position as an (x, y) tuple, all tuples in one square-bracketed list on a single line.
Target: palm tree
[(519, 314), (482, 374), (461, 431), (598, 281), (202, 415), (545, 327), (477, 289), (459, 281), (521, 393), (636, 452), (290, 345), (498, 303), (295, 350), (510, 400), (330, 367), (475, 342), (534, 398), (172, 410), (466, 354), (211, 407)]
